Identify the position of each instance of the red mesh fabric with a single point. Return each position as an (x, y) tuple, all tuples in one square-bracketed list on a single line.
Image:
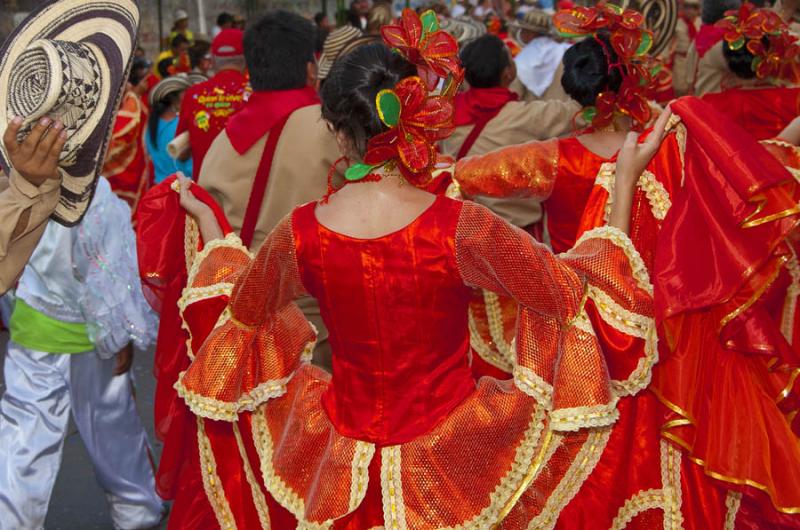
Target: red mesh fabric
[(246, 359), (496, 256)]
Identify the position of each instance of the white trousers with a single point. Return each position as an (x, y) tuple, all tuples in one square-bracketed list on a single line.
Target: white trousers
[(41, 391)]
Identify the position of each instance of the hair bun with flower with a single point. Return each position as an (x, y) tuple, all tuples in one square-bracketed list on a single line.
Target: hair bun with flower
[(631, 42), (766, 36), (419, 110)]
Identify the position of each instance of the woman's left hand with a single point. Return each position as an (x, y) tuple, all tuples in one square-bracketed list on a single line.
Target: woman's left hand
[(202, 213)]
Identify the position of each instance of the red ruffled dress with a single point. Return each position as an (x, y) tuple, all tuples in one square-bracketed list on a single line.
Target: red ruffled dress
[(709, 220), (401, 435)]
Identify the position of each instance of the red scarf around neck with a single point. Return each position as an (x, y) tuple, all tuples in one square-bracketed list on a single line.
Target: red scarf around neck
[(263, 110), (478, 105)]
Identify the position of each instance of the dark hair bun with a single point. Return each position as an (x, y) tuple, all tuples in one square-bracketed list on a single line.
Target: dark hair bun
[(348, 95), (740, 61), (586, 70)]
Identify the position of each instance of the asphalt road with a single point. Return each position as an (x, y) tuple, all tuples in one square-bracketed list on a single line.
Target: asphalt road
[(78, 503)]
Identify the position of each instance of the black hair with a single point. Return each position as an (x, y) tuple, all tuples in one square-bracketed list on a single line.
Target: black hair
[(484, 60), (223, 18), (713, 10), (177, 40), (740, 61), (587, 72), (163, 66), (138, 71), (278, 49), (348, 95), (197, 52), (159, 107), (319, 17)]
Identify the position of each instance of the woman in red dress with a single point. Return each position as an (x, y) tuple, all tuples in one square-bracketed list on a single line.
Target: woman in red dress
[(767, 65), (400, 435), (713, 265), (563, 172)]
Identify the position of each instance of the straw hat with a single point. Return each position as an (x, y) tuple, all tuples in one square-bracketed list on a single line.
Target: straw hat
[(463, 29), (334, 42), (69, 60), (168, 85), (536, 21), (357, 43)]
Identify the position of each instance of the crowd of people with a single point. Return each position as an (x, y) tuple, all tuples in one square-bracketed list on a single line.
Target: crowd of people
[(483, 264)]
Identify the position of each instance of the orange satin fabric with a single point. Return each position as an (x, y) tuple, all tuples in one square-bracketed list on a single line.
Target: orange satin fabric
[(762, 112)]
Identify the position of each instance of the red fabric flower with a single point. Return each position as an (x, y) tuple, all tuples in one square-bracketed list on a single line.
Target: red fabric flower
[(631, 42), (433, 51), (424, 120)]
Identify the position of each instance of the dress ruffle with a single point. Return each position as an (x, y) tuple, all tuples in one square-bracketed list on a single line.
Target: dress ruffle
[(502, 432)]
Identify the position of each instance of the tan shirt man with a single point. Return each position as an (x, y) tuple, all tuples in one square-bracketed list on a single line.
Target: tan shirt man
[(24, 213)]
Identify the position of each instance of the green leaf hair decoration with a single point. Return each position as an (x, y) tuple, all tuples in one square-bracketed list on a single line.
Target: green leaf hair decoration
[(430, 23), (358, 171), (389, 107), (645, 45), (588, 114)]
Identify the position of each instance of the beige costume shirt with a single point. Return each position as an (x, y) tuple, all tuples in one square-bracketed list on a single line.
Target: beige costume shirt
[(25, 210)]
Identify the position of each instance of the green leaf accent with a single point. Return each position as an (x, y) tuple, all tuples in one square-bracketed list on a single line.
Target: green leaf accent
[(358, 171), (589, 113), (430, 23), (389, 107), (737, 44), (645, 45)]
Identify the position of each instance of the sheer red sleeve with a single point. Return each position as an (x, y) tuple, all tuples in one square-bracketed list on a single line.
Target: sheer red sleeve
[(249, 335), (526, 170), (559, 360)]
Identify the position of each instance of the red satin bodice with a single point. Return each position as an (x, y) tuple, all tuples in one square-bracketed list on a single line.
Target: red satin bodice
[(399, 331), (576, 172)]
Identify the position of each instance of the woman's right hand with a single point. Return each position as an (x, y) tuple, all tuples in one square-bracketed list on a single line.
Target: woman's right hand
[(202, 213), (632, 160)]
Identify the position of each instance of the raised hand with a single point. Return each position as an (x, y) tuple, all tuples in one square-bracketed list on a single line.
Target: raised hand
[(633, 157), (632, 160), (206, 221), (36, 157)]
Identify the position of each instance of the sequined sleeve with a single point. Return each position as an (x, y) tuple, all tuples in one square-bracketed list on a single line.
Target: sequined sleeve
[(105, 256), (559, 360), (248, 335), (526, 170)]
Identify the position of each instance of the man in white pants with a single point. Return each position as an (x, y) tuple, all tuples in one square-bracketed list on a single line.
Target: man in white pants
[(79, 307), (78, 311)]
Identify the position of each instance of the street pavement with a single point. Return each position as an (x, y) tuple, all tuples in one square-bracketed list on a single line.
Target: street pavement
[(78, 502)]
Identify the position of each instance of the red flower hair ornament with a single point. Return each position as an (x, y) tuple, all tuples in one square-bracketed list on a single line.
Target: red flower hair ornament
[(766, 36), (631, 43), (423, 43), (416, 113)]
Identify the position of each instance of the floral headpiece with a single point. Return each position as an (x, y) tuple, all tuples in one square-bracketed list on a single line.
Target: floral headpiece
[(416, 112), (765, 35), (631, 42)]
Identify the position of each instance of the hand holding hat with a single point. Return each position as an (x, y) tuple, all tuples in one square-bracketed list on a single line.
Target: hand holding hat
[(36, 157), (66, 64)]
